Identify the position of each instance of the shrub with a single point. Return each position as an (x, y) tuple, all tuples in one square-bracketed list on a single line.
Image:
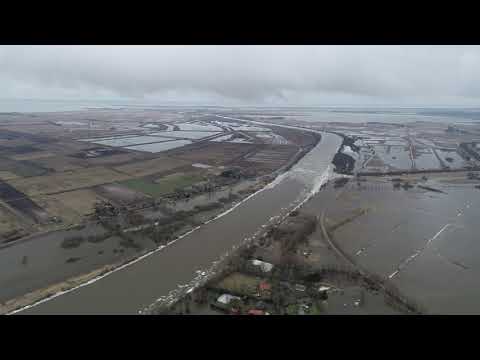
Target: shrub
[(72, 242)]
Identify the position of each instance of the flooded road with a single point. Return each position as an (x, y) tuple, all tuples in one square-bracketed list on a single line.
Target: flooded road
[(130, 289)]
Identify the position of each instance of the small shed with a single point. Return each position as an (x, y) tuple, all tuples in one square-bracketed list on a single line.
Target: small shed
[(300, 287), (264, 266)]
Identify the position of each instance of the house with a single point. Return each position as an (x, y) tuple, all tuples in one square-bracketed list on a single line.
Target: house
[(307, 253), (227, 299), (264, 289), (224, 303), (264, 266), (264, 286), (300, 287)]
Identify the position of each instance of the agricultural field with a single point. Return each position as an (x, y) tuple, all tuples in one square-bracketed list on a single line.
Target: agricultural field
[(56, 166), (120, 194), (9, 223), (7, 175), (159, 146), (113, 160), (214, 154), (274, 157), (153, 166), (59, 209), (35, 155), (81, 201), (164, 185), (60, 182), (238, 283), (15, 145), (58, 163), (22, 168)]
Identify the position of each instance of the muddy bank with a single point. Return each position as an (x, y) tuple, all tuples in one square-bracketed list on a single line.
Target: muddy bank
[(35, 296)]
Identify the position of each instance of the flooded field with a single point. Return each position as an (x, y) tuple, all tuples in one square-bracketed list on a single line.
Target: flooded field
[(395, 157), (361, 115), (132, 140), (159, 147), (451, 159), (426, 159), (345, 303), (225, 138), (25, 265), (20, 202), (272, 138), (194, 135), (422, 241), (198, 127), (250, 128)]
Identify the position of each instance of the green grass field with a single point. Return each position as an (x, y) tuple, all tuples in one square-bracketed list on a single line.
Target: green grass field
[(164, 185), (239, 284)]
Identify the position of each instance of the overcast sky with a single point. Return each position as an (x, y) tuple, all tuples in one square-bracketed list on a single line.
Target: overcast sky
[(250, 75)]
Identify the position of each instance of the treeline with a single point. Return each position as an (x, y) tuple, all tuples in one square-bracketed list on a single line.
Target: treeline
[(292, 234), (76, 240), (344, 164)]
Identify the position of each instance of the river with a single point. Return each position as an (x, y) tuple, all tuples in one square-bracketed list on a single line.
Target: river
[(132, 288)]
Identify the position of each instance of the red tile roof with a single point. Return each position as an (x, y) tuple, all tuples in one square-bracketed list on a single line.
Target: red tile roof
[(264, 286)]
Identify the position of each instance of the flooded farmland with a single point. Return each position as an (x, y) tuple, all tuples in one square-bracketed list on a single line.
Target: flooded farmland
[(21, 203), (423, 242), (178, 263), (161, 146), (41, 261), (419, 237)]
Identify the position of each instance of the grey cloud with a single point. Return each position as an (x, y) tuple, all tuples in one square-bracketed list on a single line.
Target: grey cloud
[(247, 73)]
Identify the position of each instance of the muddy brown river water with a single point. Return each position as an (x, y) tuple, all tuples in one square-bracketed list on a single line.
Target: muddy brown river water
[(134, 287)]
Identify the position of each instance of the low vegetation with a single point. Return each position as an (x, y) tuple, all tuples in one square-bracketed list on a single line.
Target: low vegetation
[(72, 242), (163, 186)]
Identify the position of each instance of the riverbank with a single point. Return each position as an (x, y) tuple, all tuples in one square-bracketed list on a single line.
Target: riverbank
[(37, 296)]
